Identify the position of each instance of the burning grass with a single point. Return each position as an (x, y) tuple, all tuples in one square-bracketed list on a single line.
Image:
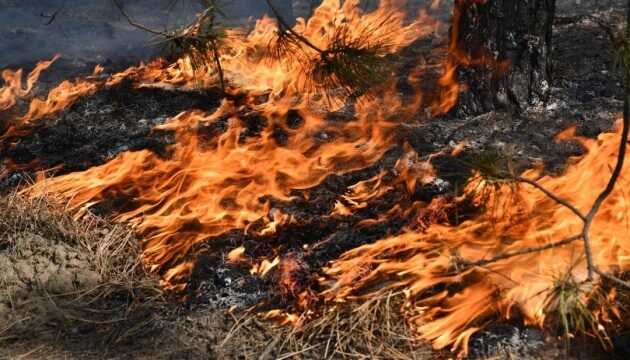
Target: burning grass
[(373, 329), (267, 145), (458, 278)]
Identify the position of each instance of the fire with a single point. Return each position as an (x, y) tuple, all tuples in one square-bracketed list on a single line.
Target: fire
[(422, 262), (247, 68), (225, 167), (211, 184), (237, 255), (58, 99), (13, 88)]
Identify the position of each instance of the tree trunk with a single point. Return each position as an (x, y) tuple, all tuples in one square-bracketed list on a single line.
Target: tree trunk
[(507, 44)]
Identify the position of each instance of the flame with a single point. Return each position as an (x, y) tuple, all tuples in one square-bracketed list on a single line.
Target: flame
[(277, 139), (436, 257), (243, 56), (211, 184), (57, 99), (236, 255), (13, 88), (264, 267)]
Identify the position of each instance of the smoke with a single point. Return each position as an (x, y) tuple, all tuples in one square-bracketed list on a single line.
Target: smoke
[(83, 31), (93, 31)]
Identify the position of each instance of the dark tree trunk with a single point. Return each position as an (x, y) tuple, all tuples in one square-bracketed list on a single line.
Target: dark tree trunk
[(507, 44)]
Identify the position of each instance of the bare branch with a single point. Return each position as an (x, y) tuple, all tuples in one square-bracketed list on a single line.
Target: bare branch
[(136, 24), (553, 197), (525, 251)]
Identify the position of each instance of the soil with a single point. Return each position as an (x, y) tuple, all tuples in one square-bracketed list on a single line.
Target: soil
[(587, 93)]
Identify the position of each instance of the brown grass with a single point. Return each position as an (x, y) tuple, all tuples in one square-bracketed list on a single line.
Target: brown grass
[(373, 329), (107, 306)]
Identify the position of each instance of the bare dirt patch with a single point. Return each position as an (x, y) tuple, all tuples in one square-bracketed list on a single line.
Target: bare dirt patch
[(76, 289)]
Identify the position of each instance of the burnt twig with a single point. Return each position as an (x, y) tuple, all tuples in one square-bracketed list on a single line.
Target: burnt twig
[(525, 251), (51, 18)]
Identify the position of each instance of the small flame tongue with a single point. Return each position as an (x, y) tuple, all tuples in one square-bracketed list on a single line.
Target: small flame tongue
[(57, 100)]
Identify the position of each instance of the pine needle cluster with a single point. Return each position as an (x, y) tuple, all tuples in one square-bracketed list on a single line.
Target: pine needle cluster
[(353, 62)]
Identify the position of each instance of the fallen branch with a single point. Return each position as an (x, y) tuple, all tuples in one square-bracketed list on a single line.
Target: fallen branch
[(525, 251)]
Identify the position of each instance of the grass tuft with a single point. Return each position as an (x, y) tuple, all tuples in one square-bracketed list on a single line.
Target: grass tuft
[(575, 305), (373, 329), (74, 287)]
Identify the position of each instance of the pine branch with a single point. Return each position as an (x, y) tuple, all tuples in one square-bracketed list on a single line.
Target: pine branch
[(284, 27), (200, 40), (553, 196), (621, 156), (354, 60), (589, 217), (525, 251)]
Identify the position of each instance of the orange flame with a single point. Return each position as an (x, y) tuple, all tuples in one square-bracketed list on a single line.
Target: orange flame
[(13, 88), (209, 186), (58, 99), (437, 256)]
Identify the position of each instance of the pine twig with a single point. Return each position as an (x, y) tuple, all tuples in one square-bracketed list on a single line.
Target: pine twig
[(553, 196), (525, 251), (285, 27), (187, 37)]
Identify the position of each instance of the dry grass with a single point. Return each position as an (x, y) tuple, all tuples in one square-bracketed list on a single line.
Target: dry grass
[(75, 288), (373, 329)]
